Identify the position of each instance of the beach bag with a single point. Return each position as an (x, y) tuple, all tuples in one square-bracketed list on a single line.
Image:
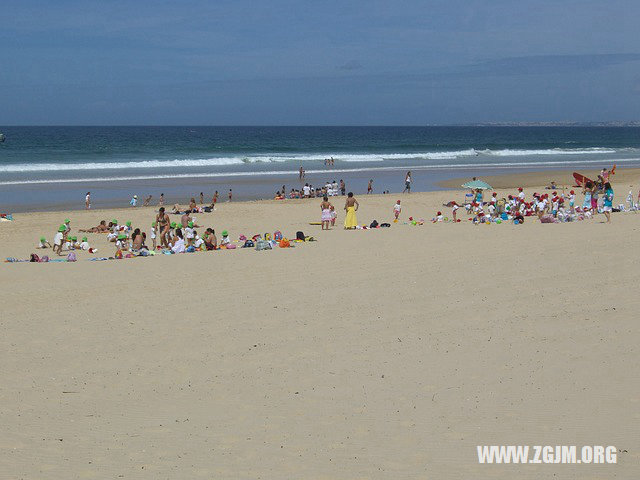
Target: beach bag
[(71, 257), (119, 254), (277, 235), (284, 243), (34, 258), (267, 236), (374, 224), (385, 225), (231, 246), (300, 236), (248, 244), (190, 249), (263, 245), (44, 259)]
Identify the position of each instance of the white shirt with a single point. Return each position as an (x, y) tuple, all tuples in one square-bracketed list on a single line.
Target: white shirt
[(198, 243), (455, 207), (521, 195), (84, 245), (225, 241), (188, 232), (153, 232), (397, 208), (57, 239), (178, 246), (306, 190)]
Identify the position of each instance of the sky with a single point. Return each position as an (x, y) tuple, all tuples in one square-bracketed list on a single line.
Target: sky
[(318, 63)]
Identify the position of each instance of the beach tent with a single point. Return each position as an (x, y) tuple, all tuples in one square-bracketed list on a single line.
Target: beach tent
[(477, 185)]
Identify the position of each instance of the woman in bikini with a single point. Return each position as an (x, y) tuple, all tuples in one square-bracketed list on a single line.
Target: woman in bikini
[(162, 220)]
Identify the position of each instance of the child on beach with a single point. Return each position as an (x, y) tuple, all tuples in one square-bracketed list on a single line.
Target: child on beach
[(396, 211), (333, 216), (607, 206), (161, 201), (134, 201), (572, 201), (58, 239), (454, 211), (198, 243), (189, 234), (152, 234), (43, 243), (84, 245), (230, 195), (224, 241)]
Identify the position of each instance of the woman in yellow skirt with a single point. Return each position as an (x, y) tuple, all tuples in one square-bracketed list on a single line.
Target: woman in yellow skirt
[(351, 207)]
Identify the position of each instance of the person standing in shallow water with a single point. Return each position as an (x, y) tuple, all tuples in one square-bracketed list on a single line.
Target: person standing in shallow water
[(351, 207)]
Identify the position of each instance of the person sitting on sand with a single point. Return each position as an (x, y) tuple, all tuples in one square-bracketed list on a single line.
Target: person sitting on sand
[(189, 234), (178, 243), (197, 241), (351, 207), (193, 207), (138, 239), (84, 245), (210, 240), (224, 241), (176, 209)]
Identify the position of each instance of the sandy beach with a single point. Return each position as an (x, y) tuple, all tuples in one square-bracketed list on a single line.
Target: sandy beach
[(386, 353)]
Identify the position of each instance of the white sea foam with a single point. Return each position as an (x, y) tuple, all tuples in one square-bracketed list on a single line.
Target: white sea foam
[(279, 158), (288, 173)]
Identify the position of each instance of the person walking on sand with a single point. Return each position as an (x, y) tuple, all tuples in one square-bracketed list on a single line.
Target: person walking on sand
[(325, 208), (351, 207), (163, 223), (370, 187), (407, 182), (87, 201), (161, 200)]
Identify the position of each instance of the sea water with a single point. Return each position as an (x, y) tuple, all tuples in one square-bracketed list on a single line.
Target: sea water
[(53, 167)]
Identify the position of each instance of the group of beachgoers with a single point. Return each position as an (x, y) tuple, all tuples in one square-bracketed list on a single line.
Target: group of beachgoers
[(330, 189), (549, 208)]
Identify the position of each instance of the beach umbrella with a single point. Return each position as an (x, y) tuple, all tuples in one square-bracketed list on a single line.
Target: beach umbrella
[(478, 185)]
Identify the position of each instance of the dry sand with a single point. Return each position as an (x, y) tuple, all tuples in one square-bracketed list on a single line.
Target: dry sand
[(385, 353)]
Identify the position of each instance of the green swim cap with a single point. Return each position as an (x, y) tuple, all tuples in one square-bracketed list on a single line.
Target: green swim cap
[(173, 224), (190, 224), (114, 221), (128, 224), (42, 239), (84, 239), (66, 220), (224, 233), (62, 228), (122, 236), (153, 224), (74, 238)]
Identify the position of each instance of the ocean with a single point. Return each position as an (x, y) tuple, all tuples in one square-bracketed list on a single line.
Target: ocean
[(43, 168)]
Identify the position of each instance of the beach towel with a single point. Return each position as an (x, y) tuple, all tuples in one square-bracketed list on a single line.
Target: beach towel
[(350, 220)]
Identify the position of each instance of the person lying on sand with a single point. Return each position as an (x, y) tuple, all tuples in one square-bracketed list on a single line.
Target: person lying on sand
[(101, 228)]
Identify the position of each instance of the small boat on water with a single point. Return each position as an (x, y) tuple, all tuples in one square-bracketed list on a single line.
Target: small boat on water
[(2, 137)]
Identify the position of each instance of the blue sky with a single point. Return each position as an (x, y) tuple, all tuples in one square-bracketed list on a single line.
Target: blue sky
[(317, 63)]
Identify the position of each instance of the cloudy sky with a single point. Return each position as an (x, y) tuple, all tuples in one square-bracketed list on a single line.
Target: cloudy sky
[(317, 63)]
